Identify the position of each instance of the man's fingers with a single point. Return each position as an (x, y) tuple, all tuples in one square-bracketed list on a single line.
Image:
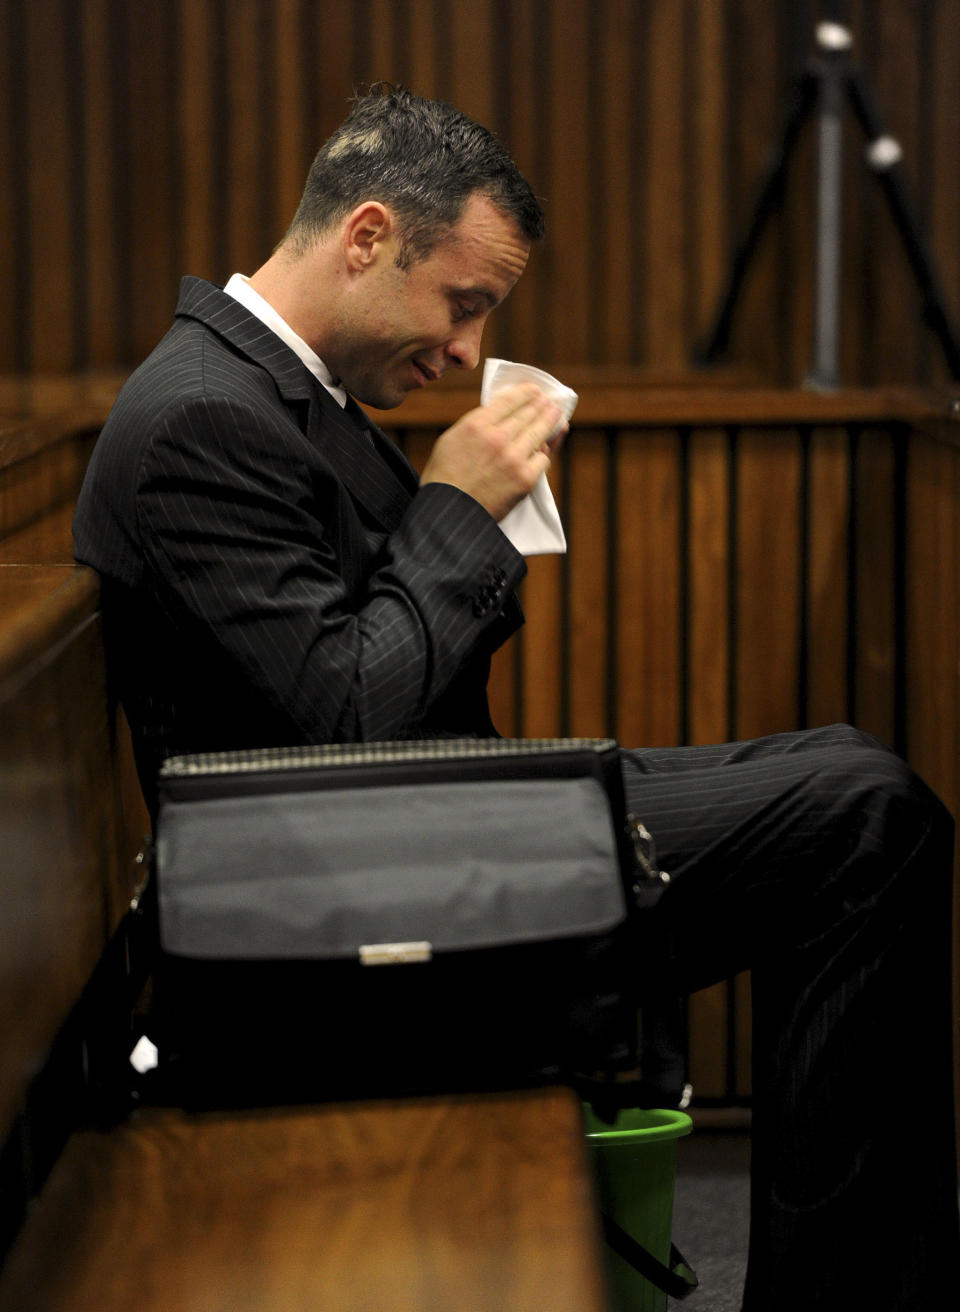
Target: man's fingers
[(523, 406), (514, 401), (528, 416)]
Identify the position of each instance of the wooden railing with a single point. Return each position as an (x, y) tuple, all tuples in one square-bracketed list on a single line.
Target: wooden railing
[(740, 562)]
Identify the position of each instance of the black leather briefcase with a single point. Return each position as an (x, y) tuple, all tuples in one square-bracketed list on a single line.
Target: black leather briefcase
[(397, 917)]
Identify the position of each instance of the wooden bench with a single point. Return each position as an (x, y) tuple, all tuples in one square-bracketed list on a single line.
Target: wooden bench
[(467, 1202)]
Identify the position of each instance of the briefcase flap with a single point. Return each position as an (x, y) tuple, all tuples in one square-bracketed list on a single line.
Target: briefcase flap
[(317, 864)]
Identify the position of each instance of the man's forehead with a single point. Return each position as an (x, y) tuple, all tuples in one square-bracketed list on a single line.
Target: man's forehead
[(487, 236)]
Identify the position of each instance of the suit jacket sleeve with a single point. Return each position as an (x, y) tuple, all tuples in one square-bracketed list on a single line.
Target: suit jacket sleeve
[(253, 542)]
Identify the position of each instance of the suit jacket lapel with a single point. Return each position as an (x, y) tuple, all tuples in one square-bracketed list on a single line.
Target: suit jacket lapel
[(374, 471)]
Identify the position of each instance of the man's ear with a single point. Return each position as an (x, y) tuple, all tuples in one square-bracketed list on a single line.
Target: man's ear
[(368, 235)]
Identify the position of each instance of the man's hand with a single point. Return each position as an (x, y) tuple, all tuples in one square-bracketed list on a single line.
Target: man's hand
[(497, 452)]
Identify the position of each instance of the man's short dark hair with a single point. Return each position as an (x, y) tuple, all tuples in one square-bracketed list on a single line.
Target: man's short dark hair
[(424, 159)]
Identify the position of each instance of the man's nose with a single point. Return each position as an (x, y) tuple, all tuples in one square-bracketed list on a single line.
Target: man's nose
[(464, 349)]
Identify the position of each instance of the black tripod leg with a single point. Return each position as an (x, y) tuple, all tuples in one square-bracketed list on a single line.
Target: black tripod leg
[(891, 179), (771, 190)]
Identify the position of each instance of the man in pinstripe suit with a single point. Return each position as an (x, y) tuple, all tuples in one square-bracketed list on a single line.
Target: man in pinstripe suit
[(274, 573)]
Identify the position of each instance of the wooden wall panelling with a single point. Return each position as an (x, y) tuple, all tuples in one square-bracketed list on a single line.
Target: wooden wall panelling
[(708, 533), (756, 109), (933, 612), (665, 228), (826, 619), (933, 650), (707, 701), (768, 563), (588, 682), (877, 599), (427, 67), (540, 643), (383, 56), (150, 185), (196, 112), (104, 285), (791, 301), (11, 206), (521, 329), (649, 616), (44, 79), (138, 142), (571, 201), (890, 48), (941, 195), (711, 230), (615, 172), (293, 141), (252, 130), (475, 63)]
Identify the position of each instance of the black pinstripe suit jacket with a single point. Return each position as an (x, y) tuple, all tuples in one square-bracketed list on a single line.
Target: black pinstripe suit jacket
[(272, 573)]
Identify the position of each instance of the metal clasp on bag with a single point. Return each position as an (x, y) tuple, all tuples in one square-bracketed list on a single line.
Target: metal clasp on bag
[(394, 954), (645, 852)]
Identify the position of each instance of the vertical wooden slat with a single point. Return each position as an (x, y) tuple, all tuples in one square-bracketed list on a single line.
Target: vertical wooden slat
[(571, 205), (890, 50), (523, 326), (331, 65), (648, 588), (615, 173), (933, 611), (875, 620), (104, 282), (381, 37), (12, 238), (423, 54), (49, 316), (196, 112), (708, 659), (475, 46), (933, 648), (792, 300), (293, 135), (768, 573), (666, 199), (942, 199), (474, 49), (589, 621), (707, 166), (153, 185), (826, 617), (541, 647), (707, 705), (856, 253), (756, 111), (250, 174)]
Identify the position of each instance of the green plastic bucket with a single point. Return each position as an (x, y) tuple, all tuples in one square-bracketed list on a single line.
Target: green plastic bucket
[(634, 1165)]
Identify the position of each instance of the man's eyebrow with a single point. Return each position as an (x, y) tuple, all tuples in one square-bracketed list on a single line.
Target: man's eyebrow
[(484, 293)]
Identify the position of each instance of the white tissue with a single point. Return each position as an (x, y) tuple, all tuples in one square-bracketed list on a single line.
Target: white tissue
[(534, 525)]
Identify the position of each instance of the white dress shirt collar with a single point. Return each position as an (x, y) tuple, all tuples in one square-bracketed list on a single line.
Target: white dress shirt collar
[(239, 288)]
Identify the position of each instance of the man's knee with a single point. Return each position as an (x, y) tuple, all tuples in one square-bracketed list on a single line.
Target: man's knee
[(886, 800)]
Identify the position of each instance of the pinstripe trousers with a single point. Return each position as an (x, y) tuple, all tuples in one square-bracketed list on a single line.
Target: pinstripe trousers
[(821, 863)]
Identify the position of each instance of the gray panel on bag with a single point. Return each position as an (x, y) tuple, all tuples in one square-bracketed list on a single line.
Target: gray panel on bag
[(317, 874)]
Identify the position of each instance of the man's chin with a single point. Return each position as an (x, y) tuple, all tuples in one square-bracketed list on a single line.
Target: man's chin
[(379, 397)]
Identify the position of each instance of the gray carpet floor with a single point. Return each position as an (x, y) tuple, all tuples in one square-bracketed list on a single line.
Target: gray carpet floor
[(710, 1216)]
